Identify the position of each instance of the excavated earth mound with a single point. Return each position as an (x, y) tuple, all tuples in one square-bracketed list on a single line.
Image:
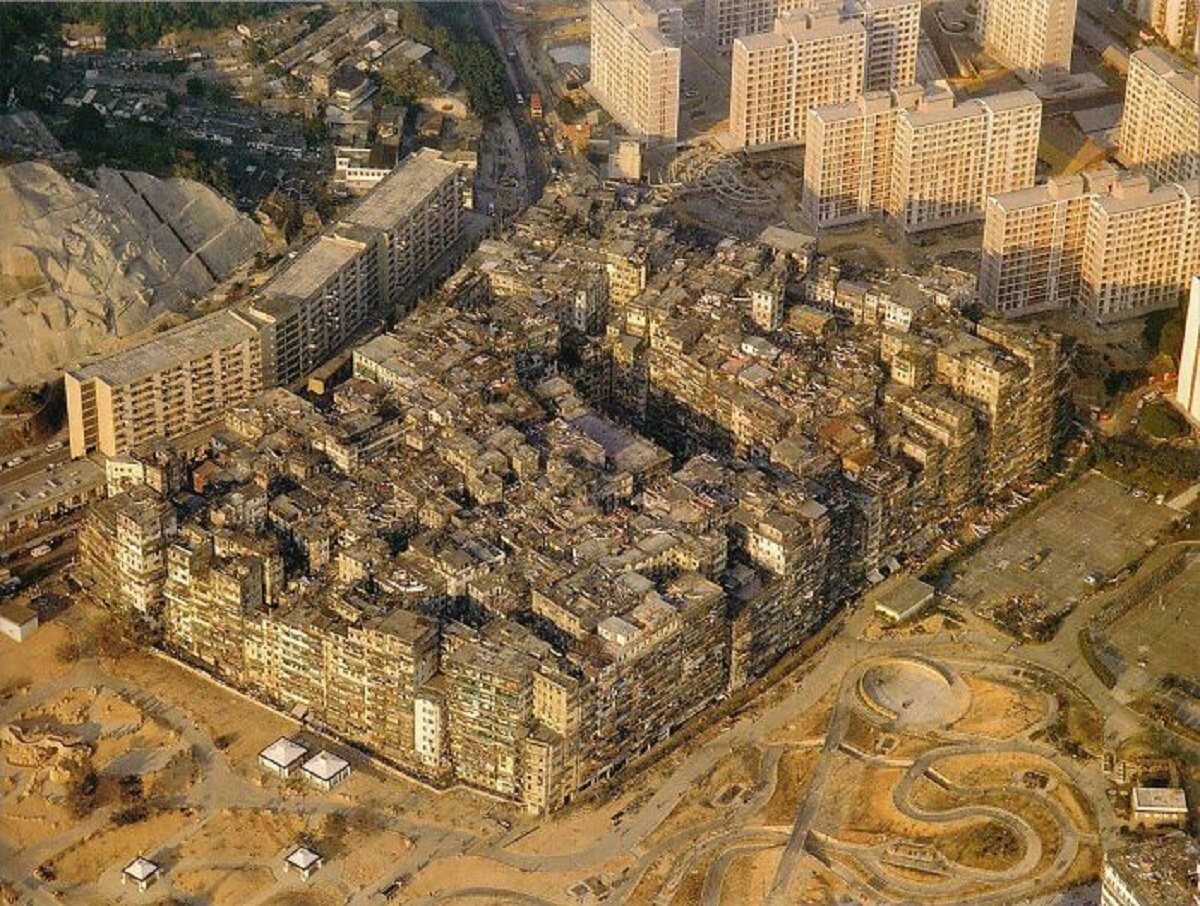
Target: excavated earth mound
[(82, 267)]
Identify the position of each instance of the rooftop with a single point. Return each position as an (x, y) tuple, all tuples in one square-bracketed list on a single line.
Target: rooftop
[(313, 268), (187, 343), (403, 190), (325, 765), (1164, 65), (1158, 870), (41, 489), (1156, 799), (303, 858), (140, 869), (283, 752)]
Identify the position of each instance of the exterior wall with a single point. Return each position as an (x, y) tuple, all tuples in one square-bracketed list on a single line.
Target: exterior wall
[(635, 68), (178, 392), (1162, 118), (806, 62), (1034, 37), (1139, 252), (1188, 393), (947, 163), (1033, 249), (848, 158)]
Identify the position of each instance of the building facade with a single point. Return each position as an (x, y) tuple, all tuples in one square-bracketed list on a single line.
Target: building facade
[(1187, 395), (818, 54), (1162, 117), (1107, 244), (167, 385), (1141, 247), (1174, 20), (1033, 37), (635, 65), (848, 156), (949, 158), (917, 156)]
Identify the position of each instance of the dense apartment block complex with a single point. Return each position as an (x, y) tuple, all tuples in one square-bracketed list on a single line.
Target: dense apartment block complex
[(917, 155), (1103, 242), (635, 64), (1033, 37), (164, 386), (358, 269), (1155, 871), (461, 562), (1161, 122), (1187, 395), (818, 54)]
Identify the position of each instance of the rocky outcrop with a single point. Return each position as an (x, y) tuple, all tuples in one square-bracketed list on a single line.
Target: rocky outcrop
[(83, 267)]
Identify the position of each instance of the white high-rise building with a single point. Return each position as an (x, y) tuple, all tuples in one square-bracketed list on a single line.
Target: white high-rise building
[(1188, 393), (1033, 37), (820, 52), (1033, 247), (635, 65), (1160, 129), (848, 156), (1141, 247)]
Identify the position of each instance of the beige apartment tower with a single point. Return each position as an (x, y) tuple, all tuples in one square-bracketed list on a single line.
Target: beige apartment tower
[(949, 158), (1141, 247), (1033, 247), (1160, 129), (848, 156), (917, 155), (1174, 20), (820, 53), (164, 387), (1103, 242), (635, 65), (1033, 37)]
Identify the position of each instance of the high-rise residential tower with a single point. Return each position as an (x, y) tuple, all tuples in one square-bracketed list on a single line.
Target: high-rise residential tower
[(1188, 393), (1033, 37), (1160, 129), (635, 65), (950, 157), (1106, 243), (917, 155), (819, 53)]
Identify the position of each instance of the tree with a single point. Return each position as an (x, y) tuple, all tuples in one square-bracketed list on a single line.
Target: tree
[(195, 87), (83, 786)]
